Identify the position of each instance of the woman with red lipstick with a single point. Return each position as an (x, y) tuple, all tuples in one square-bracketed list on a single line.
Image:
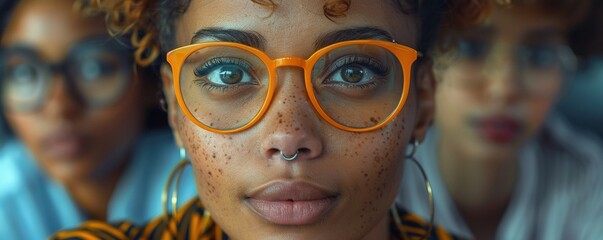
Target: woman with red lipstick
[(501, 164), (76, 109), (294, 114)]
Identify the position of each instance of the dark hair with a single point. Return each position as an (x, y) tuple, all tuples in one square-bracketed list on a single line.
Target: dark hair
[(151, 22), (586, 38), (468, 14), (6, 10)]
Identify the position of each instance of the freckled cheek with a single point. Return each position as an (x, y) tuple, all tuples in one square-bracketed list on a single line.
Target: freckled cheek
[(381, 171), (211, 163)]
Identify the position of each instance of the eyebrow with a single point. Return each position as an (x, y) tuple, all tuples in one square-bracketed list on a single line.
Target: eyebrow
[(359, 33), (252, 39), (256, 40), (543, 34)]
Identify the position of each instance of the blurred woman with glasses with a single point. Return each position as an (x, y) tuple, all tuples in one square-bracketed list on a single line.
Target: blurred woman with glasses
[(71, 97), (502, 164)]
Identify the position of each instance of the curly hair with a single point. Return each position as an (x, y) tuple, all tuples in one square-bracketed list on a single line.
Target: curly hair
[(150, 23), (467, 13)]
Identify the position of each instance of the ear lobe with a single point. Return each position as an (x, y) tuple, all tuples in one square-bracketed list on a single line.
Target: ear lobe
[(170, 99), (425, 85)]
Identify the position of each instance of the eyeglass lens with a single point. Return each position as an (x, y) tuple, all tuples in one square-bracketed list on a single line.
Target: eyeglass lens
[(539, 66), (96, 74)]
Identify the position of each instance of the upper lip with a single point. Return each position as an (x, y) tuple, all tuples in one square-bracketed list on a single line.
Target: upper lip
[(291, 191), (497, 119), (62, 135)]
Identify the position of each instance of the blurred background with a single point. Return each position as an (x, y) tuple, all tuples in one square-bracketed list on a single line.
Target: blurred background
[(582, 102)]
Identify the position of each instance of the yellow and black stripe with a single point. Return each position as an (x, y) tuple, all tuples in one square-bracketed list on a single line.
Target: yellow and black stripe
[(193, 222)]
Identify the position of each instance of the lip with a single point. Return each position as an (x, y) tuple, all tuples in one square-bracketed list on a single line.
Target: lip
[(64, 144), (291, 202), (498, 129)]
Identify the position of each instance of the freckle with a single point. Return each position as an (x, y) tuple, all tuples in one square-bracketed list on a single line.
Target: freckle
[(297, 129)]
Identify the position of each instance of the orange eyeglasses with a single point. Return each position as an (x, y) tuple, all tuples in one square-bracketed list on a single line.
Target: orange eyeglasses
[(356, 86)]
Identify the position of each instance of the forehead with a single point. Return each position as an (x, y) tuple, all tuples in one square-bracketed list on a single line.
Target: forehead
[(522, 22), (51, 27), (294, 23)]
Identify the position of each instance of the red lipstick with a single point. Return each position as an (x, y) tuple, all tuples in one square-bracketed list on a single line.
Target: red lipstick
[(499, 129)]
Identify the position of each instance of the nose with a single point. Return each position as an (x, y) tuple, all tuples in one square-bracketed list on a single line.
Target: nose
[(505, 78), (62, 103), (290, 124)]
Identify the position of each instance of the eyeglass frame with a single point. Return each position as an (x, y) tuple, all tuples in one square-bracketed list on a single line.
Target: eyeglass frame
[(406, 56), (62, 68), (568, 61)]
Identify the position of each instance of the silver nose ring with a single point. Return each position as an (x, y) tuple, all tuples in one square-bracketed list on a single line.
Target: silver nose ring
[(289, 158)]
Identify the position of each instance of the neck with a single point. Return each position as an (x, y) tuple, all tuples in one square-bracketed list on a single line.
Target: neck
[(381, 231), (92, 196), (481, 187)]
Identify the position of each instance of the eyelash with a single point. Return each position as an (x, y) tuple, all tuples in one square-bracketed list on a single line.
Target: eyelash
[(373, 65), (209, 65)]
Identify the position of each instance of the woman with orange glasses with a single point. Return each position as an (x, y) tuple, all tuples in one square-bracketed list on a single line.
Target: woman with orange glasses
[(295, 115)]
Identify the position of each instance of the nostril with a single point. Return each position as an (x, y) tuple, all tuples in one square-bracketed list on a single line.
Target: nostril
[(304, 151), (273, 151)]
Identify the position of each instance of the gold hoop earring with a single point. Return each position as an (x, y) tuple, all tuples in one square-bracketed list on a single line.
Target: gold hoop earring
[(176, 172), (394, 210)]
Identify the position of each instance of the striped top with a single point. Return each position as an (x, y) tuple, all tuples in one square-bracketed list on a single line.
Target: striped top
[(193, 222)]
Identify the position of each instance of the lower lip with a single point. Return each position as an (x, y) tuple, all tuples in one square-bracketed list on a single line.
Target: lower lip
[(503, 131), (66, 148), (291, 212)]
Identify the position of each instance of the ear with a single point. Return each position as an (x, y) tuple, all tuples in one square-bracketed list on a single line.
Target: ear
[(170, 98), (425, 85)]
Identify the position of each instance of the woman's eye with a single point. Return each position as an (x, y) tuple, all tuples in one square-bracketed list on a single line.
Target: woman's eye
[(540, 56), (230, 74), (356, 71), (23, 74), (225, 75), (472, 48), (94, 70), (352, 73), (224, 72)]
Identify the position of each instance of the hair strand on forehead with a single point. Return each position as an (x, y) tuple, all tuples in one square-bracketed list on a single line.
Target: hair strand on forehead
[(150, 23)]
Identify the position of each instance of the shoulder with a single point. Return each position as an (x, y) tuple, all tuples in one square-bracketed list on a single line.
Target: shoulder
[(568, 154), (191, 220), (16, 168), (561, 138), (405, 225), (569, 169), (23, 202)]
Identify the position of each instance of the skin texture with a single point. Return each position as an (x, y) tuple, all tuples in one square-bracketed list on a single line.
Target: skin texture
[(362, 168), (479, 173), (100, 139)]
